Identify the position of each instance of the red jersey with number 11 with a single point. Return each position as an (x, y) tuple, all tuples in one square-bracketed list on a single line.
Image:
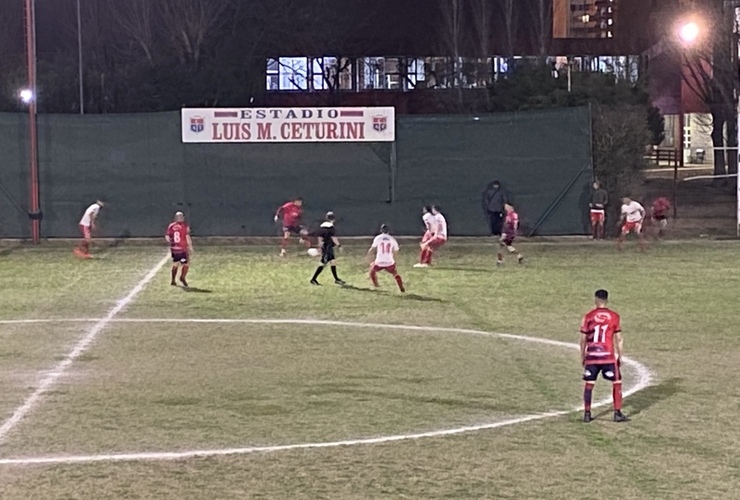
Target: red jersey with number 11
[(600, 326), (178, 233)]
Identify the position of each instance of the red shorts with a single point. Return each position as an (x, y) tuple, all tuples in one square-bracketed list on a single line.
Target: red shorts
[(85, 231), (436, 242), (597, 216), (632, 227), (391, 269), (427, 236)]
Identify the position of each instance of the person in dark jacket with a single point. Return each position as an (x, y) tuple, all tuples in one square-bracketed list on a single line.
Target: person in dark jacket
[(597, 204), (494, 199)]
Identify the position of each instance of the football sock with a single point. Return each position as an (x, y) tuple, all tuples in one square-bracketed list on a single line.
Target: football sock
[(334, 272), (399, 280), (316, 274), (184, 271), (617, 395), (500, 257), (374, 277), (588, 391), (283, 243), (174, 273), (429, 257), (85, 246), (423, 256)]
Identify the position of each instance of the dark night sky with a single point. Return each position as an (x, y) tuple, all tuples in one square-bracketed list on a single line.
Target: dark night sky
[(399, 26)]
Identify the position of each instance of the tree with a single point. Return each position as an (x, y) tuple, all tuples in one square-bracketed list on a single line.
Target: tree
[(189, 24), (137, 21), (510, 20), (451, 31), (711, 75), (620, 135), (540, 12)]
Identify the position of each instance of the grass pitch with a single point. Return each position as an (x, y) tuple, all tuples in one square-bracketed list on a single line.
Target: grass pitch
[(169, 386)]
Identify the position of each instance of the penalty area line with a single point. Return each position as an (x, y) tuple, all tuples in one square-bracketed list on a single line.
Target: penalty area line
[(644, 380), (80, 347)]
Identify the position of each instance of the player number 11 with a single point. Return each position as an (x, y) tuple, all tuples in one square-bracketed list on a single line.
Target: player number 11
[(600, 333)]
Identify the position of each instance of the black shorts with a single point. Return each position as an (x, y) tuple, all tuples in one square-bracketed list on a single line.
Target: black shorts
[(294, 230), (180, 257), (327, 255), (659, 217), (609, 371)]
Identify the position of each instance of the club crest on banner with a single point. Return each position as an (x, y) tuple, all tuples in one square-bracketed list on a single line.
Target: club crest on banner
[(380, 123), (197, 124)]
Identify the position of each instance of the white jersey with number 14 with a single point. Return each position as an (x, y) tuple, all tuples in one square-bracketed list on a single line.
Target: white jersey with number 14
[(385, 245)]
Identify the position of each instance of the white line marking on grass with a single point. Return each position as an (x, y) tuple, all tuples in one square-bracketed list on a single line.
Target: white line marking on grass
[(644, 380), (82, 345)]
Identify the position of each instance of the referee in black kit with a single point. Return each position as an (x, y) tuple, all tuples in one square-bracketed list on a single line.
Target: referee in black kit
[(328, 239)]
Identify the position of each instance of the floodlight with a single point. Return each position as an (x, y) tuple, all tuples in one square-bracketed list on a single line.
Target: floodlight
[(26, 96), (689, 32)]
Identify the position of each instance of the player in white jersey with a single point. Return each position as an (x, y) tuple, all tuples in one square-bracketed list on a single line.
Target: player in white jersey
[(384, 248), (633, 215), (438, 239), (429, 230), (87, 226)]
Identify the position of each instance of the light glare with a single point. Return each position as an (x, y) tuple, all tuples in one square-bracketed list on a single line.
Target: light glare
[(26, 96), (689, 32)]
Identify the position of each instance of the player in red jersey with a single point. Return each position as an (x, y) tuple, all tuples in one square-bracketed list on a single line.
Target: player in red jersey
[(511, 225), (291, 213), (601, 352), (181, 246), (659, 210)]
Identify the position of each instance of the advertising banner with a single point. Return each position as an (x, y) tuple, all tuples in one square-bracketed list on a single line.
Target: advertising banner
[(234, 125)]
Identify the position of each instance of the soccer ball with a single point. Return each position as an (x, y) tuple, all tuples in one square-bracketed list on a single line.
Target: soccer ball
[(313, 252)]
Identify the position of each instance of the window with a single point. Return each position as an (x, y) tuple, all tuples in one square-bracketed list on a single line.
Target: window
[(323, 73), (438, 72), (273, 74), (393, 76), (415, 73), (372, 73), (293, 73)]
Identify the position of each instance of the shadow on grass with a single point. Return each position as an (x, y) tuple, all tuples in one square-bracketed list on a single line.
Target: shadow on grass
[(117, 241), (8, 250), (366, 394), (405, 296), (195, 289), (643, 400)]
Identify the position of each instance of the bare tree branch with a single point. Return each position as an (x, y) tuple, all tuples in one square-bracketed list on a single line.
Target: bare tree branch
[(136, 20), (189, 23)]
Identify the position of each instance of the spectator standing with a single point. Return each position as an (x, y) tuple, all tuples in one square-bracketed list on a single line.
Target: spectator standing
[(597, 205), (494, 199)]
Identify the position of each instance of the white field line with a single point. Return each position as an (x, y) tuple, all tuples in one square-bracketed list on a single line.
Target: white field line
[(82, 345), (644, 379)]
